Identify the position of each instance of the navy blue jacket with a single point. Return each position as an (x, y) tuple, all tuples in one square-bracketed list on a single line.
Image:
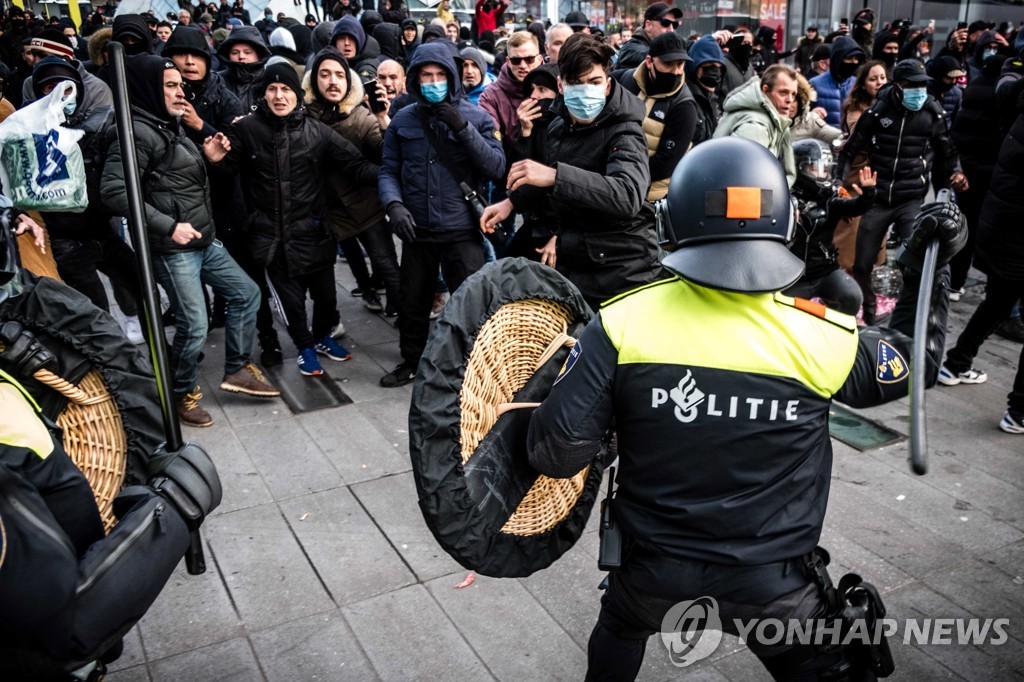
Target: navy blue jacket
[(832, 93), (411, 172)]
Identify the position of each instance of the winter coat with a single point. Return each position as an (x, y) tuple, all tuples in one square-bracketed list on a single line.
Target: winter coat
[(976, 131), (668, 127), (751, 115), (351, 208), (709, 104), (901, 146), (180, 195), (242, 80), (597, 207), (831, 92), (285, 163), (474, 94), (633, 51), (733, 76), (812, 239), (804, 51), (411, 172), (999, 242)]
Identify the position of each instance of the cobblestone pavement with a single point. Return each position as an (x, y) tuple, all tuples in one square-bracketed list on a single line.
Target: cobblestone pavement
[(321, 567)]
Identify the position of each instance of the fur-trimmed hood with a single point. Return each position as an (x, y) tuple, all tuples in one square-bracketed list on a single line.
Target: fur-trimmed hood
[(352, 99)]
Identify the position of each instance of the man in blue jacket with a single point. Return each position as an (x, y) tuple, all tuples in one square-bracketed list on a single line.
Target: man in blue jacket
[(431, 146), (833, 87)]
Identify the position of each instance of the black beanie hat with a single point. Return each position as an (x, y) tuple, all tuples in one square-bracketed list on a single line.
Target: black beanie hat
[(281, 72)]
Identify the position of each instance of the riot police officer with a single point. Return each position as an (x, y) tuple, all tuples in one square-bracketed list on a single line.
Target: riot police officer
[(720, 390)]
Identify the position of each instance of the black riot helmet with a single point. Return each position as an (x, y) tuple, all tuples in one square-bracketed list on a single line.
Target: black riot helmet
[(728, 214), (814, 168)]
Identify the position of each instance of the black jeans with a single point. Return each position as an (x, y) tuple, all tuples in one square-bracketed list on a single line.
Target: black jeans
[(870, 236), (80, 262), (380, 247), (970, 203), (291, 292), (420, 261), (641, 594), (1000, 297)]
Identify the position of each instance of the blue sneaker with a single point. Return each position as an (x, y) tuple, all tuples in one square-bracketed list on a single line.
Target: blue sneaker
[(309, 363), (332, 349)]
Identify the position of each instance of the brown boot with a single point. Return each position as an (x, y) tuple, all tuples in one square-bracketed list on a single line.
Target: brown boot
[(190, 412), (251, 381)]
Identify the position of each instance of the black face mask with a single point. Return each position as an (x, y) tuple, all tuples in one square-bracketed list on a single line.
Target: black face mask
[(861, 34), (660, 82), (889, 59), (740, 52), (546, 114), (844, 70), (711, 77)]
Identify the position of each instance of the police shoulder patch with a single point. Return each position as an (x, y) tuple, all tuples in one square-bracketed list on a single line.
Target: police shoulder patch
[(574, 354), (890, 367)]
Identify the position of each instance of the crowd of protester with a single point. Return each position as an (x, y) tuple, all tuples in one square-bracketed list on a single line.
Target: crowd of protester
[(270, 148)]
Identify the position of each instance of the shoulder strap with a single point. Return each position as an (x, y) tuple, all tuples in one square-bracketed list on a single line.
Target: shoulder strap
[(436, 143)]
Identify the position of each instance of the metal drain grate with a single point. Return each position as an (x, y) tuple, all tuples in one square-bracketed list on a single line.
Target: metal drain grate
[(307, 394), (859, 432)]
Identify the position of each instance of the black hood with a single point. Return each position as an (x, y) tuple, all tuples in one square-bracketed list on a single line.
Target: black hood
[(843, 47), (145, 73), (320, 58), (881, 40), (187, 40), (244, 34), (390, 38), (133, 25), (303, 39), (435, 53)]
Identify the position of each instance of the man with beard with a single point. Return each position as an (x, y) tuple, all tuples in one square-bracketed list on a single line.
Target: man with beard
[(834, 87), (737, 62), (671, 110), (244, 55), (334, 96), (391, 75), (285, 159), (658, 18), (186, 254)]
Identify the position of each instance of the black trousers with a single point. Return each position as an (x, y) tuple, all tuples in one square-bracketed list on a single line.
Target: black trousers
[(641, 594), (420, 261), (873, 226), (291, 292), (79, 263), (970, 203), (380, 247), (1000, 297)]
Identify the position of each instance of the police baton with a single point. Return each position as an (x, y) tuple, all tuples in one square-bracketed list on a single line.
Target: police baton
[(195, 562), (919, 361)]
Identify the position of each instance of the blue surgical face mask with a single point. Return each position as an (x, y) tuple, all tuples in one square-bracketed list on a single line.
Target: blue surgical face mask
[(584, 101), (434, 92), (988, 53), (70, 108), (913, 98)]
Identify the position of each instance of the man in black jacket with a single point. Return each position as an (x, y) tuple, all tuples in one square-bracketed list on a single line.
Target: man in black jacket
[(591, 187), (285, 158), (186, 254), (244, 55), (902, 134), (210, 107), (658, 18)]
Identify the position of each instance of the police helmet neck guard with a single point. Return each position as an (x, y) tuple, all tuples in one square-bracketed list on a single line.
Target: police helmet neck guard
[(729, 216)]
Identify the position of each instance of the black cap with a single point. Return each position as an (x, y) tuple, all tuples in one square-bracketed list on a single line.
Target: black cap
[(669, 47), (660, 10), (979, 26), (812, 27), (865, 16), (823, 51), (911, 71), (577, 20)]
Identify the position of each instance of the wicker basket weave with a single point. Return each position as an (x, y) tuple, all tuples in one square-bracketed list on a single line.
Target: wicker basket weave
[(94, 436), (511, 345)]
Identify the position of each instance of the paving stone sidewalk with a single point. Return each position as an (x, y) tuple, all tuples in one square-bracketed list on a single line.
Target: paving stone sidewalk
[(320, 566)]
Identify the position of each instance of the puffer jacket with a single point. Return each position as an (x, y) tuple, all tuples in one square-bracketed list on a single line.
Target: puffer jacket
[(976, 131), (999, 243), (751, 115), (901, 146), (285, 163), (411, 172), (633, 51), (242, 79), (352, 208), (180, 195), (605, 227), (831, 92)]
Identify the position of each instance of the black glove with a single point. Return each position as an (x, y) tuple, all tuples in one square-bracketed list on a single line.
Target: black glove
[(402, 224), (448, 114), (22, 350), (189, 480), (941, 221)]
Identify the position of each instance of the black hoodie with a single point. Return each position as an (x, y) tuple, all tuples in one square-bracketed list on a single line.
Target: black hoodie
[(135, 26), (210, 97), (144, 73)]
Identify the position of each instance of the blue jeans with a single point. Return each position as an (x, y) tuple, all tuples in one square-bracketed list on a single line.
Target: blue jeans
[(182, 275)]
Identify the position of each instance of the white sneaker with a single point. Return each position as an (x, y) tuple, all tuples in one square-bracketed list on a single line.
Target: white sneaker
[(972, 376), (338, 331), (957, 295), (133, 330), (1011, 425)]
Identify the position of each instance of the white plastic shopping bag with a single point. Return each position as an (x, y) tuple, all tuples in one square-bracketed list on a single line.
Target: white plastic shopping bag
[(41, 165)]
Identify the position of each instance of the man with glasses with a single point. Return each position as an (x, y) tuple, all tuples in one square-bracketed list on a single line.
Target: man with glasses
[(658, 19)]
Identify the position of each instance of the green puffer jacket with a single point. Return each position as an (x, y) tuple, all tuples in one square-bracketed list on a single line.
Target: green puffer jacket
[(181, 193), (750, 114)]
